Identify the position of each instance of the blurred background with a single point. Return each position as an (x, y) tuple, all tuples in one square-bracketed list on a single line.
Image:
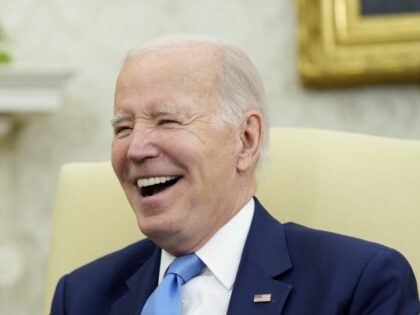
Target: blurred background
[(87, 40)]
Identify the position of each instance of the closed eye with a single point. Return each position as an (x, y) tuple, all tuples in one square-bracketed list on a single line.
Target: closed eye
[(168, 122), (122, 130)]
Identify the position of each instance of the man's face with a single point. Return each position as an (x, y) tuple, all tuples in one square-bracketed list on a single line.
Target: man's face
[(174, 156)]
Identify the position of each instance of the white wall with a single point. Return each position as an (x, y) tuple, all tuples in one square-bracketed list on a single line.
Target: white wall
[(93, 36)]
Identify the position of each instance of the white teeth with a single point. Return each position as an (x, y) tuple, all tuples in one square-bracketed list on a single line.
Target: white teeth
[(144, 182)]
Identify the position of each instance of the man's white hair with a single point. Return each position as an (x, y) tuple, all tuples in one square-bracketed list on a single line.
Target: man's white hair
[(240, 86)]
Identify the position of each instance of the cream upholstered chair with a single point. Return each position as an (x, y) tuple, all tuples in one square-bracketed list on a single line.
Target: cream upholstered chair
[(360, 185)]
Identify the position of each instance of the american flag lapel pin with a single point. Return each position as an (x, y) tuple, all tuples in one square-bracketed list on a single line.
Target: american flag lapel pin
[(262, 298)]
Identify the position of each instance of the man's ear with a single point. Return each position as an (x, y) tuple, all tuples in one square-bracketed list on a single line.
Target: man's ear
[(251, 137)]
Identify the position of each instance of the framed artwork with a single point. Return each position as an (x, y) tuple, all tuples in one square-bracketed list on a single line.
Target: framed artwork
[(348, 42)]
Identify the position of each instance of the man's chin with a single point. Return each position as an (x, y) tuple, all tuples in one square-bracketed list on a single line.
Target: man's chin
[(154, 229)]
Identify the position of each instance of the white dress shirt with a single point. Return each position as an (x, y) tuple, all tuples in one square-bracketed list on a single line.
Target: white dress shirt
[(209, 292)]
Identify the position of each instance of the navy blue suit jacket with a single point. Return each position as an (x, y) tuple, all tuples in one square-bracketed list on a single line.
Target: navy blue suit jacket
[(307, 272)]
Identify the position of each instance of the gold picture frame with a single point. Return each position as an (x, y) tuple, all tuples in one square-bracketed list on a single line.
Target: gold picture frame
[(340, 46)]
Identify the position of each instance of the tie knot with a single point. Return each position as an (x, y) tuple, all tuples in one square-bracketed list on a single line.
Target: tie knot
[(186, 267)]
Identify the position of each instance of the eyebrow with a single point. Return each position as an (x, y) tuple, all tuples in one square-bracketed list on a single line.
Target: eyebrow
[(165, 111), (177, 110), (161, 111), (117, 118)]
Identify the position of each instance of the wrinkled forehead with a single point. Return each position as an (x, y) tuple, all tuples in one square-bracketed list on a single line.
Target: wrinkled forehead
[(190, 65), (168, 77)]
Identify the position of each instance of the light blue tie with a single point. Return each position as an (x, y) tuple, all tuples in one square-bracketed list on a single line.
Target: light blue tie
[(166, 299)]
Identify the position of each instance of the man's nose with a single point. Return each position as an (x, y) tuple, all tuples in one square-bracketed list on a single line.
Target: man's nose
[(142, 146)]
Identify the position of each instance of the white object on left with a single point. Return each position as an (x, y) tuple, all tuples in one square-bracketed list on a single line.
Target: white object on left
[(29, 89), (12, 264)]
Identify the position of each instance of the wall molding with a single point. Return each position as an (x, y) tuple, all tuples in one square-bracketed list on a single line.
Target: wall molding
[(29, 89)]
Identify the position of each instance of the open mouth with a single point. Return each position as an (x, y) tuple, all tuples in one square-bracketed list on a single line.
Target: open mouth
[(154, 185)]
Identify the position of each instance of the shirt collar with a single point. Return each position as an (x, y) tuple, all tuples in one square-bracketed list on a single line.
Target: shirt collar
[(228, 242)]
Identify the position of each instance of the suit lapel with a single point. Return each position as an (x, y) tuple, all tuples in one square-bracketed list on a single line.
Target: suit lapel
[(140, 286), (264, 259)]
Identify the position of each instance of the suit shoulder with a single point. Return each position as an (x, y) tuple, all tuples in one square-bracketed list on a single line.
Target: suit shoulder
[(92, 288), (325, 256), (332, 249), (120, 264), (299, 233)]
